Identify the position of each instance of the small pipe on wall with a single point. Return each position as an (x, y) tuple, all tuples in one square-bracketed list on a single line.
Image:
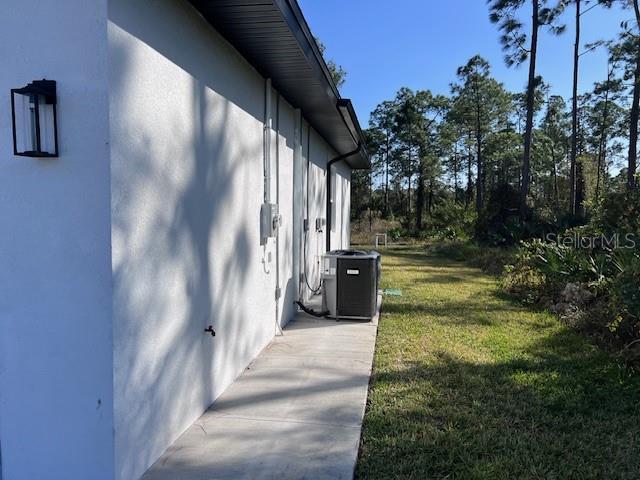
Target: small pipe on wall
[(267, 140)]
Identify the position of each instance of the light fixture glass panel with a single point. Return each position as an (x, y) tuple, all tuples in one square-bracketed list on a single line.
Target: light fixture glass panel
[(25, 123), (47, 131)]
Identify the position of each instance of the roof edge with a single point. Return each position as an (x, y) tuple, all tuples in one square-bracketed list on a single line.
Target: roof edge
[(362, 160), (352, 122), (311, 39), (275, 38)]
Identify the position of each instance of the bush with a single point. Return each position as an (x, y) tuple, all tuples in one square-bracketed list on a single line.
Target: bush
[(595, 289), (523, 277), (452, 221), (619, 213), (624, 295), (395, 234), (499, 222)]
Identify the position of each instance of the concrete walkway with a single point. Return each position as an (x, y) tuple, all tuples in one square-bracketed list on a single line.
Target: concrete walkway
[(295, 413)]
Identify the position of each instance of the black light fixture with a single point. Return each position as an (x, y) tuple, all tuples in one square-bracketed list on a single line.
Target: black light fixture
[(33, 115)]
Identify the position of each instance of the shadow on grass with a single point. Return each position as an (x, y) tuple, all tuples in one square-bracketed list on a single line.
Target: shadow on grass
[(461, 313), (444, 278), (407, 253), (553, 407), (559, 410)]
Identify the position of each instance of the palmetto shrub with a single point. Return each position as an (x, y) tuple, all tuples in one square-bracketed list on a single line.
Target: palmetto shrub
[(624, 294), (596, 289)]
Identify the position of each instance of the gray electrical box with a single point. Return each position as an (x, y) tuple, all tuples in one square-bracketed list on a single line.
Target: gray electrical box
[(270, 221)]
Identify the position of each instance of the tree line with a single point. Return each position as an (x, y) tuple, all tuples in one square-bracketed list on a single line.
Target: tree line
[(504, 164)]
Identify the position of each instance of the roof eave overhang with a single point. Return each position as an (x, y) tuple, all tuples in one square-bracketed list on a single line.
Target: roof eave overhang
[(275, 38)]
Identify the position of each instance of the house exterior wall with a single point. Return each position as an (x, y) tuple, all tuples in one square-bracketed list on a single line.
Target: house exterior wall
[(186, 134), (316, 154), (283, 158), (118, 254), (55, 254), (341, 227)]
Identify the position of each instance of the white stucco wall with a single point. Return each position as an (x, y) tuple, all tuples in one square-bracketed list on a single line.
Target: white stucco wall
[(186, 123), (341, 228), (55, 276), (118, 254), (186, 136), (315, 170), (284, 196), (315, 156)]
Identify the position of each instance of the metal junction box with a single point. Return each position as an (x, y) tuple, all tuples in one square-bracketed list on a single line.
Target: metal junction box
[(270, 220), (350, 284)]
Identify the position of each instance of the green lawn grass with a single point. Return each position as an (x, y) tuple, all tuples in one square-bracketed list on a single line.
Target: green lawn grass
[(470, 384)]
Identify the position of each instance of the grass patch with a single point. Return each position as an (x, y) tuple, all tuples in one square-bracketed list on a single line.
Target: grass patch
[(489, 259), (468, 384)]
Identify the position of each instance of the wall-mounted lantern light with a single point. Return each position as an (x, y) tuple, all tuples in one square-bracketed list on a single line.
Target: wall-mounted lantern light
[(33, 114)]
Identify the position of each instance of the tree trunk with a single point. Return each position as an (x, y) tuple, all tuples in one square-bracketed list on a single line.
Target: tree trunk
[(602, 144), (633, 128), (386, 178), (469, 184), (420, 199), (480, 175), (528, 132), (599, 163), (556, 196), (430, 198), (580, 185), (579, 189), (480, 180), (573, 205), (455, 173), (370, 201), (635, 111), (409, 201)]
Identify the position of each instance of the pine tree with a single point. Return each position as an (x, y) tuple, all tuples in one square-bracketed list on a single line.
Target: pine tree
[(482, 105), (514, 40)]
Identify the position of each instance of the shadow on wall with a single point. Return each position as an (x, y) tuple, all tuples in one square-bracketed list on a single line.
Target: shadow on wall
[(285, 122), (185, 236), (162, 24)]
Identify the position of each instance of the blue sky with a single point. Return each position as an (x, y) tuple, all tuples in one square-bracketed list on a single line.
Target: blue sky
[(385, 44)]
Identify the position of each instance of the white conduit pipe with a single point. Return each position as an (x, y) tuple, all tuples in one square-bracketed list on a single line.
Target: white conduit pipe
[(267, 140)]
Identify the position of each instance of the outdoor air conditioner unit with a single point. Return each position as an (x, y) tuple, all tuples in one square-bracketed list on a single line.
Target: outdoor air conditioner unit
[(350, 284)]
